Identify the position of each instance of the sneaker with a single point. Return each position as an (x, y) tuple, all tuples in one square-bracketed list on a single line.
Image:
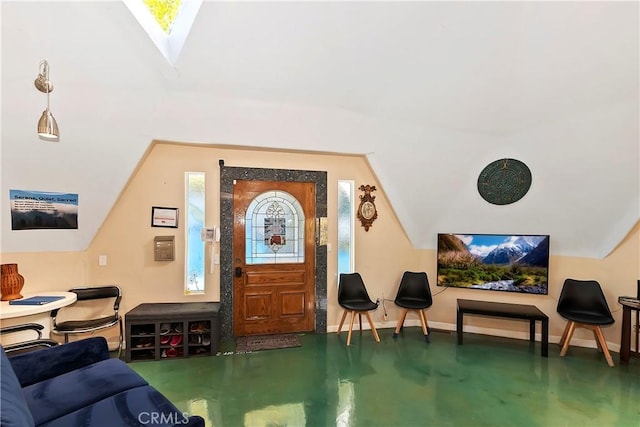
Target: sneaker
[(206, 339), (164, 340), (144, 342), (165, 328), (198, 327), (172, 352), (195, 339), (177, 327), (175, 340)]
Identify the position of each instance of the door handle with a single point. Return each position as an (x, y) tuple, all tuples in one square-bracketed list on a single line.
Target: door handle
[(238, 271)]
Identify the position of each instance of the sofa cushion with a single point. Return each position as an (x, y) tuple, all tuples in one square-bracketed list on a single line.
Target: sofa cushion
[(41, 365), (71, 391), (139, 406), (15, 411)]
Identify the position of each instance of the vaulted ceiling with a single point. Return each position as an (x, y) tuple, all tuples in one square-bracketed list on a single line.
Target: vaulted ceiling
[(430, 92)]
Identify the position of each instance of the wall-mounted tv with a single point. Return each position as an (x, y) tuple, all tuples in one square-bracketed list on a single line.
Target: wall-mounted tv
[(497, 262)]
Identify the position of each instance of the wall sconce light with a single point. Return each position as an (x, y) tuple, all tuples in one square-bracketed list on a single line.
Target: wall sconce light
[(47, 126)]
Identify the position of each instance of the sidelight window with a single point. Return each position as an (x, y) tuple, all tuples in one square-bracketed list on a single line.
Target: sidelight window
[(194, 262), (345, 227)]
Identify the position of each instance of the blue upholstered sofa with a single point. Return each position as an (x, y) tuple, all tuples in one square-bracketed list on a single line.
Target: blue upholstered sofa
[(77, 384)]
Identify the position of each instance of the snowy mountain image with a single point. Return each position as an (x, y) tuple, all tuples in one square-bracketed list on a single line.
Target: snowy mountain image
[(513, 250), (513, 263)]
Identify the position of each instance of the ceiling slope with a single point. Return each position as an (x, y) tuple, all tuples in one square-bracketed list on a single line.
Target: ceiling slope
[(431, 92)]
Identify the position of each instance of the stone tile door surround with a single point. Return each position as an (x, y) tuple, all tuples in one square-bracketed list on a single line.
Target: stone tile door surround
[(227, 176)]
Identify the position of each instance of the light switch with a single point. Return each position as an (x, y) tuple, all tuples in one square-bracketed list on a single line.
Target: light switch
[(102, 260)]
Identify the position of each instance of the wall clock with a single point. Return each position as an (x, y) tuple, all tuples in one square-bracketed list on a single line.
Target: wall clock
[(504, 181), (367, 211)]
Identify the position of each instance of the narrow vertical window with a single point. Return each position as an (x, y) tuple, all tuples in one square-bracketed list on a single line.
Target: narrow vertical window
[(345, 227), (194, 263)]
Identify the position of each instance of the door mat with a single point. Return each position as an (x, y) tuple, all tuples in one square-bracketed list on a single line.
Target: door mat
[(267, 342)]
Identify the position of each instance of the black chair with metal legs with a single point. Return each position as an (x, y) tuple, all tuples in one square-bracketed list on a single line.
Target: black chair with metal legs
[(583, 304), (354, 298), (414, 294), (79, 326), (36, 343)]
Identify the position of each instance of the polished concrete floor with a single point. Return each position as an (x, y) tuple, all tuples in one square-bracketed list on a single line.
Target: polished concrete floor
[(488, 381)]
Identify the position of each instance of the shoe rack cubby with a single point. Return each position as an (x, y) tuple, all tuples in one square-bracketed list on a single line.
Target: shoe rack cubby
[(158, 331)]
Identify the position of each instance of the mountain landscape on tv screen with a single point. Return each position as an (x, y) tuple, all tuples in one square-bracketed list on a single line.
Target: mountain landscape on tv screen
[(513, 263)]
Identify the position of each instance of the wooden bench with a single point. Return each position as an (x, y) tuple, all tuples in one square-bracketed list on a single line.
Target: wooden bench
[(506, 310)]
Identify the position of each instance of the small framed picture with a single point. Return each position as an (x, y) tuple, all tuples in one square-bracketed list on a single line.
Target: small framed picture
[(164, 217)]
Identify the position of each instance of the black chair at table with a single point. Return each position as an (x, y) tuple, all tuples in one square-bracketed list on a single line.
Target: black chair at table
[(79, 326), (583, 304), (354, 298), (27, 345), (414, 294)]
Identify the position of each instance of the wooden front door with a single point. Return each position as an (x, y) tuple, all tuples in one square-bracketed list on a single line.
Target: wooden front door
[(274, 257)]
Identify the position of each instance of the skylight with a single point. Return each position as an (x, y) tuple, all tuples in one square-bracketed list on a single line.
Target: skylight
[(167, 22), (165, 12)]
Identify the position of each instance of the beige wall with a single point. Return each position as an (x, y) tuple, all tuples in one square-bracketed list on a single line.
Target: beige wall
[(617, 274), (382, 253)]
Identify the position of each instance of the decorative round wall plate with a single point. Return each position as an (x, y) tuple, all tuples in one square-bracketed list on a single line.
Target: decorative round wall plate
[(504, 181)]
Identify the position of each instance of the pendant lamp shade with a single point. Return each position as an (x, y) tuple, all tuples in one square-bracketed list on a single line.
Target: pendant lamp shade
[(47, 126)]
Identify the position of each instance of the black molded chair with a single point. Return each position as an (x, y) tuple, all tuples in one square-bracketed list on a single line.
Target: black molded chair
[(583, 304), (37, 343), (354, 298), (80, 326), (414, 294)]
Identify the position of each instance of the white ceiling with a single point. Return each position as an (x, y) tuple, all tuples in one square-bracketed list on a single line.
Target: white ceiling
[(431, 92)]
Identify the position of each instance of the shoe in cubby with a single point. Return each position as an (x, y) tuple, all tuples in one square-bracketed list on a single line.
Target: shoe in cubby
[(198, 327), (206, 339), (143, 342)]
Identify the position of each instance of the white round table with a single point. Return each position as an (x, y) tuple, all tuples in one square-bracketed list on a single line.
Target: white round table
[(11, 315)]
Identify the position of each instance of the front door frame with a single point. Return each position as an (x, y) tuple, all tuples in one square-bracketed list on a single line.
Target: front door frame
[(227, 176)]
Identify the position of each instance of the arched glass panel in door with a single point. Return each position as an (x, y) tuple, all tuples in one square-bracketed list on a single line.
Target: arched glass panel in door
[(274, 229)]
